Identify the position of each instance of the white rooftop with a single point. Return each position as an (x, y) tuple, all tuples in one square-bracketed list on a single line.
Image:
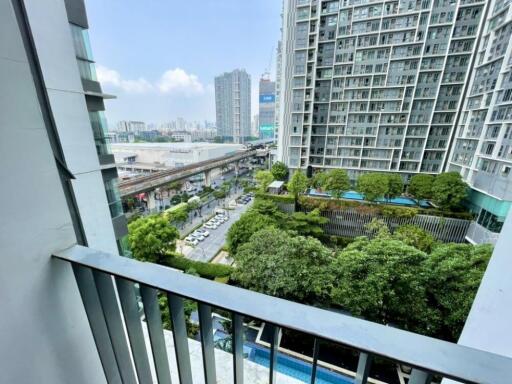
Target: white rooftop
[(276, 184), (175, 146)]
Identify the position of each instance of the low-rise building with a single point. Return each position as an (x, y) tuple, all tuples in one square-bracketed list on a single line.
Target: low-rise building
[(175, 154)]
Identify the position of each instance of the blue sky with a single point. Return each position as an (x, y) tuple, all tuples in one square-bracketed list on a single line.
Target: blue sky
[(160, 57)]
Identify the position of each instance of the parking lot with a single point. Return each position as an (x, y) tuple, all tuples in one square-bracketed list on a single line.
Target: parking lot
[(211, 245)]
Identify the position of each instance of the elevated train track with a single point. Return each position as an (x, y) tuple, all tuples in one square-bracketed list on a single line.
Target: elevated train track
[(148, 183)]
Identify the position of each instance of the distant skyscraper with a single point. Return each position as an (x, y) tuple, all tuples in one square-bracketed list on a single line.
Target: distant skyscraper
[(255, 130), (279, 60), (233, 105), (267, 104)]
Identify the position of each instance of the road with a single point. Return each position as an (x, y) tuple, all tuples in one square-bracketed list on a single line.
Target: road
[(210, 246)]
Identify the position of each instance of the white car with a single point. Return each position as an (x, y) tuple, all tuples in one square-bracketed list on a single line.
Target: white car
[(197, 236), (210, 225), (203, 232), (192, 241)]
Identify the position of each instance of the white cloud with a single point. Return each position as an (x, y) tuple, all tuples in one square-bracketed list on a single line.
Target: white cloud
[(109, 76), (173, 81), (178, 81)]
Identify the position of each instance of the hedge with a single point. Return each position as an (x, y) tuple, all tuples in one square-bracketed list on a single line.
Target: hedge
[(310, 203), (275, 198), (206, 270)]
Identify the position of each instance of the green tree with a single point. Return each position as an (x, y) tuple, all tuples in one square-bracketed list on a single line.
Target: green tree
[(395, 186), (298, 183), (280, 264), (454, 274), (448, 190), (175, 185), (264, 178), (373, 185), (378, 228), (242, 230), (279, 171), (319, 180), (179, 215), (420, 186), (383, 281), (307, 224), (337, 182), (415, 236), (152, 238)]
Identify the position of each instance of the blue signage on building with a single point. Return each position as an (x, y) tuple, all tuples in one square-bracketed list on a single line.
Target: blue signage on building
[(267, 98)]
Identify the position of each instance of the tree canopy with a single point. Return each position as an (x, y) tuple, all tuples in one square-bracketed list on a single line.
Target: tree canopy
[(454, 273), (415, 236), (395, 185), (420, 186), (307, 224), (248, 224), (298, 183), (373, 185), (279, 171), (264, 178), (337, 182), (280, 264), (383, 281), (448, 190), (319, 180), (152, 238)]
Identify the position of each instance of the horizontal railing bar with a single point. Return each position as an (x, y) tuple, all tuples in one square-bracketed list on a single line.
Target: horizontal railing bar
[(436, 356)]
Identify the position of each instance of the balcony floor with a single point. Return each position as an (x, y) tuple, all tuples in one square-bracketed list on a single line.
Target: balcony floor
[(253, 373)]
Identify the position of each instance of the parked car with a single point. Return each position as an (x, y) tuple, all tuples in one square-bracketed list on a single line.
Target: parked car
[(210, 225), (203, 232), (197, 236), (192, 241)]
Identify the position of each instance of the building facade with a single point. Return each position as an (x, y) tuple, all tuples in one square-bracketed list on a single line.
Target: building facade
[(267, 107), (104, 169), (374, 86), (279, 60), (482, 148), (233, 106)]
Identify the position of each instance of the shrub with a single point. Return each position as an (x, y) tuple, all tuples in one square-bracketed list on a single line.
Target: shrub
[(205, 270)]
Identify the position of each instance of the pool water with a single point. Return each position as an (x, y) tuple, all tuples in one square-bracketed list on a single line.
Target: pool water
[(288, 365), (353, 195)]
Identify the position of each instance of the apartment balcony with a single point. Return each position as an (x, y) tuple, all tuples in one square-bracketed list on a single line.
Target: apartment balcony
[(141, 351)]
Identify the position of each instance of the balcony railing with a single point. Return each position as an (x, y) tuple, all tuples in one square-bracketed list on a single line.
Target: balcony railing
[(100, 275)]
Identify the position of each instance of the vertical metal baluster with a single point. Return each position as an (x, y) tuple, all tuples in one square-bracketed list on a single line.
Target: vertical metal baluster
[(179, 331), (97, 322), (420, 377), (316, 349), (156, 333), (276, 340), (363, 368), (206, 328), (238, 348), (108, 300), (132, 319)]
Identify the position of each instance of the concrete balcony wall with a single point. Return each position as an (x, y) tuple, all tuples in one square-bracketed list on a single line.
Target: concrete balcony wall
[(44, 333)]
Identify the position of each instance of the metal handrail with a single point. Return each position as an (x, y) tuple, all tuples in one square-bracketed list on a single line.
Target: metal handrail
[(424, 353)]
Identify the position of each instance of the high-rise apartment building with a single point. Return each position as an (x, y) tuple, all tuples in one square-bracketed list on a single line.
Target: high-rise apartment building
[(267, 107), (279, 59), (482, 148), (233, 106), (374, 86), (70, 313)]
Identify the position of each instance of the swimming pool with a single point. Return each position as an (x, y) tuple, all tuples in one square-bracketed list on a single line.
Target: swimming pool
[(353, 195), (288, 365)]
